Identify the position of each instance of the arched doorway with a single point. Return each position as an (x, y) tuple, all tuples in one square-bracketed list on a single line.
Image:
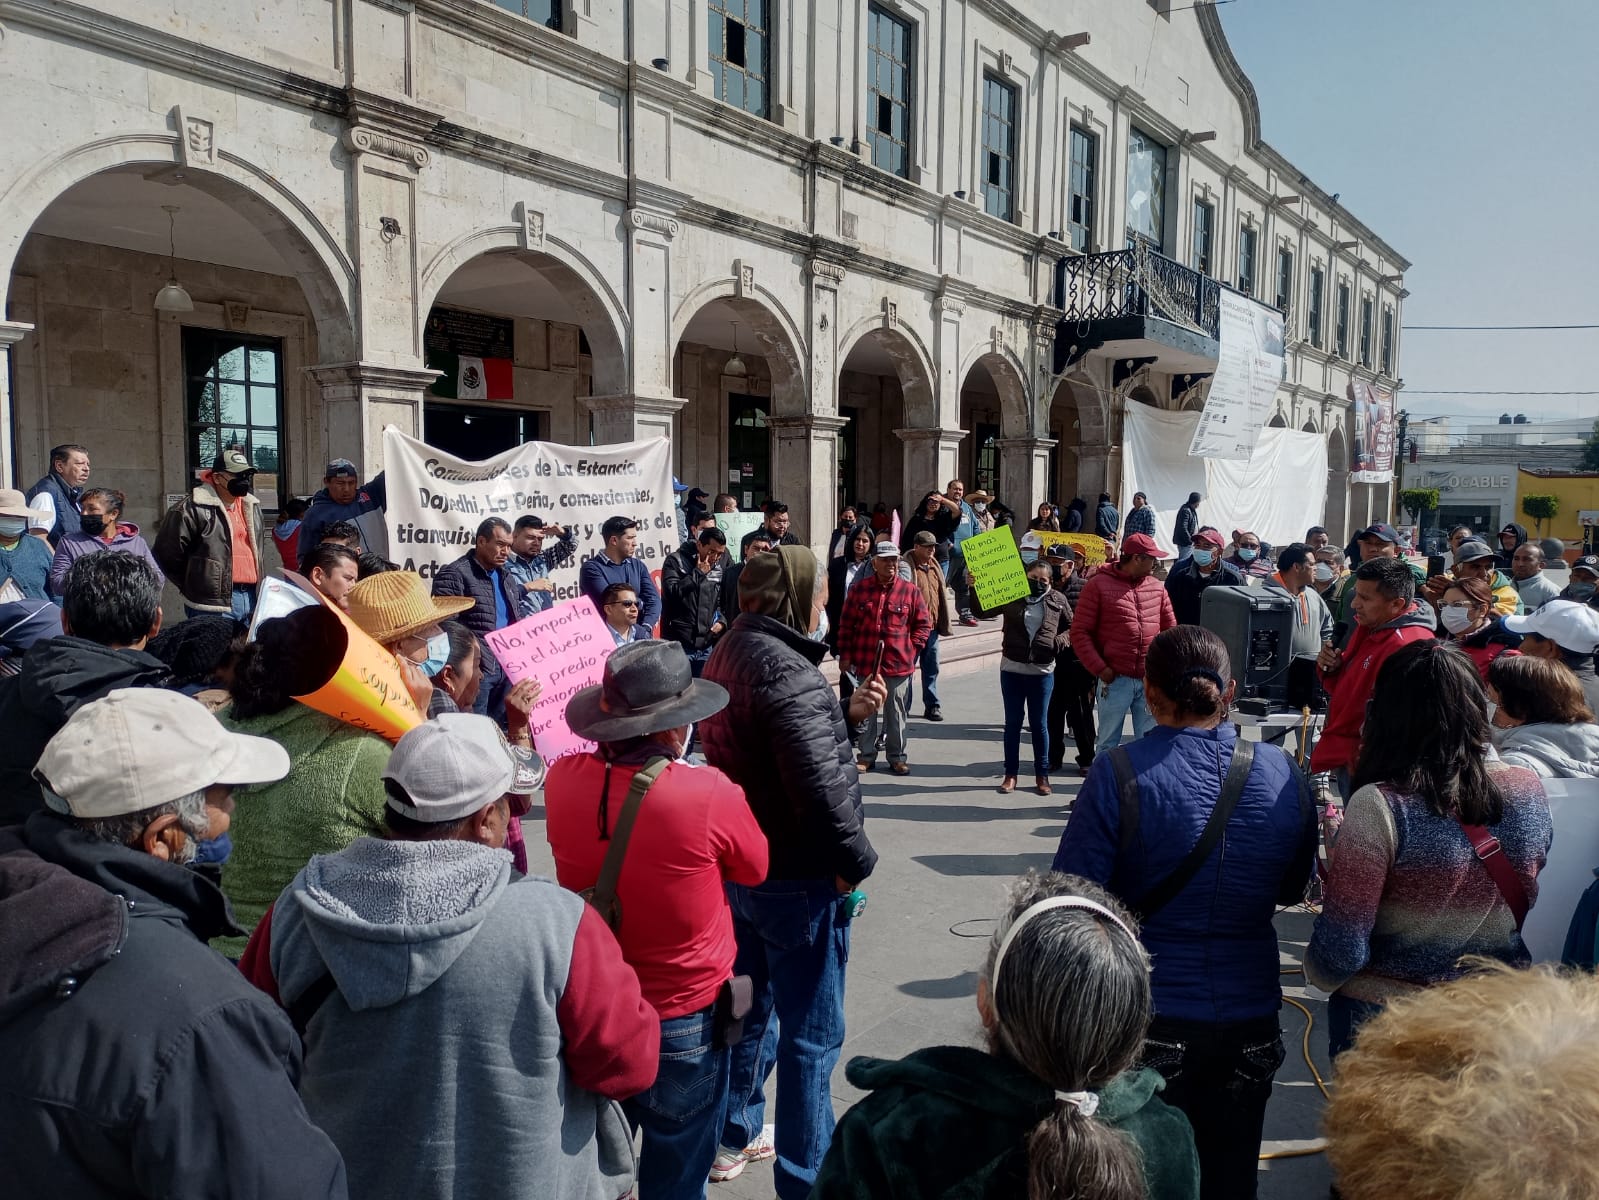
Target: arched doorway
[(885, 387), (521, 339), (737, 364), (994, 414), (155, 393), (1337, 520)]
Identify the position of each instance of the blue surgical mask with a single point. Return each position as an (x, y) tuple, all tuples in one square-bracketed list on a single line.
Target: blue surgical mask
[(1581, 591), (13, 527), (1029, 556), (819, 634), (1247, 555), (438, 655), (1204, 558)]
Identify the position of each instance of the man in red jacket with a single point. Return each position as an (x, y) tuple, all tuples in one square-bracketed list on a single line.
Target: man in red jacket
[(883, 631), (1122, 608), (1387, 617)]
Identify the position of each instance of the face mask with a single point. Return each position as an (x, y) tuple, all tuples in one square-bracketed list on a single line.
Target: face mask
[(1204, 557), (240, 486), (1456, 618), (980, 507), (13, 527), (93, 524), (1037, 587), (438, 655), (1324, 573), (1029, 556), (1247, 555), (1582, 591), (819, 634)]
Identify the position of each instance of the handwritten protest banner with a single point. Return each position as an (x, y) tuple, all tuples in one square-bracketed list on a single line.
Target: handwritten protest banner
[(1093, 548), (736, 525), (437, 501), (996, 568), (564, 648)]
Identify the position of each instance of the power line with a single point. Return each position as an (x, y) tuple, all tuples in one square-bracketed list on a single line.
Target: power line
[(1490, 328), (1489, 392)]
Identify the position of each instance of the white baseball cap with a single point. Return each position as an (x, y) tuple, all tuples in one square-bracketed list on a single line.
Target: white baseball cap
[(452, 766), (1570, 624), (139, 748)]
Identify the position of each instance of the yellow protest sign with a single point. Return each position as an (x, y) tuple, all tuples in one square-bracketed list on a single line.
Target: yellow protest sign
[(1093, 547), (996, 568)]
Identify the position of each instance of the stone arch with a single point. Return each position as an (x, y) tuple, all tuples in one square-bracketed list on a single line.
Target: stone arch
[(315, 257), (600, 311), (1337, 511), (1309, 426), (1009, 375), (776, 332), (1277, 422), (913, 365)]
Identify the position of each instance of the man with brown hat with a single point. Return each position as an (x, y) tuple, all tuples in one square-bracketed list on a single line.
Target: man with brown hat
[(24, 561), (696, 833), (929, 579), (209, 543)]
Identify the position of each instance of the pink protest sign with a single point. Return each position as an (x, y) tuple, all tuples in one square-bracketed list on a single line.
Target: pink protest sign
[(564, 648), (893, 528)]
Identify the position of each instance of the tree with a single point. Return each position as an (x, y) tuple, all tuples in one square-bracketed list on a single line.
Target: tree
[(1590, 452), (1541, 509), (1418, 502)]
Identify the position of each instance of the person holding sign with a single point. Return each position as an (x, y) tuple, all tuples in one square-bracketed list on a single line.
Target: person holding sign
[(618, 563), (695, 833), (1123, 607), (1036, 628)]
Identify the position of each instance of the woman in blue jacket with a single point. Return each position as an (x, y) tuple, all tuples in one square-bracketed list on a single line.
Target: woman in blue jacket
[(1135, 829)]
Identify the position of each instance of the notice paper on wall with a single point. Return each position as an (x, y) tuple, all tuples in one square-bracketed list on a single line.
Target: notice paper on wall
[(1249, 369), (996, 568), (437, 501), (564, 648)]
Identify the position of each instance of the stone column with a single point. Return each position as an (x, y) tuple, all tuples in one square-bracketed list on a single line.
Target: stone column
[(1024, 471), (931, 461), (359, 399), (11, 332), (805, 473), (649, 300), (632, 418)]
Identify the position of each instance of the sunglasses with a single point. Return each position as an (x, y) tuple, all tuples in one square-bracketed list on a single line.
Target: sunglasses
[(626, 603)]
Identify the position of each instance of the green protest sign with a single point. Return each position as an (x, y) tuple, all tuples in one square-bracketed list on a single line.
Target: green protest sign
[(736, 525), (996, 566)]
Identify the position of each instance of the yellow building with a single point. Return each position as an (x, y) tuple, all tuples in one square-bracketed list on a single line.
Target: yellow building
[(1578, 492)]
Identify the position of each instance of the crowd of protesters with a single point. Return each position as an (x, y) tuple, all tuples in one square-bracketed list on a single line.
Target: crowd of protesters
[(240, 937)]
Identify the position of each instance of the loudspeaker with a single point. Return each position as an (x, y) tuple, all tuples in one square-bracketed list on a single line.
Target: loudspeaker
[(1257, 624)]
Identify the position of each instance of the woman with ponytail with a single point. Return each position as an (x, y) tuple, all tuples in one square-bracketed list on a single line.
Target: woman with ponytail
[(1203, 835), (1055, 1106)]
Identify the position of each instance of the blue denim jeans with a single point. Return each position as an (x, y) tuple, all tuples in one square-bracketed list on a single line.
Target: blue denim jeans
[(1029, 695), (793, 941), (1124, 695), (1344, 1019), (929, 664), (243, 603), (681, 1114)]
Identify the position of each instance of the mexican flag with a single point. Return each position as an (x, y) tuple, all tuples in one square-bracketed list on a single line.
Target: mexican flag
[(469, 378)]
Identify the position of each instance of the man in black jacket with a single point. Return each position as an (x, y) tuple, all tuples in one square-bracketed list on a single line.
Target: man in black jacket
[(139, 1062), (111, 607), (1186, 525), (1202, 569), (785, 740), (691, 584), (482, 575)]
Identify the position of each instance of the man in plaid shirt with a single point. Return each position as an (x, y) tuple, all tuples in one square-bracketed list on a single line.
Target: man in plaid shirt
[(884, 613)]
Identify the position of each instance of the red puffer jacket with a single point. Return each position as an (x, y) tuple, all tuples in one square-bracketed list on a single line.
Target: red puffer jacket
[(1116, 619)]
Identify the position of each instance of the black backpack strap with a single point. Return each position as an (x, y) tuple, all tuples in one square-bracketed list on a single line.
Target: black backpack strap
[(304, 1006), (1127, 791), (1164, 892)]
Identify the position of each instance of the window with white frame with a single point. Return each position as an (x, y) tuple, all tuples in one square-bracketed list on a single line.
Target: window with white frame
[(740, 46), (545, 12), (1146, 189), (1316, 306), (1285, 279), (890, 61), (1365, 330), (1387, 339), (1084, 181), (999, 148), (1248, 240), (1341, 332), (1204, 236)]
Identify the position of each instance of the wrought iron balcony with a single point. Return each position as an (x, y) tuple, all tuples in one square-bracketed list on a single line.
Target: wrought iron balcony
[(1139, 303)]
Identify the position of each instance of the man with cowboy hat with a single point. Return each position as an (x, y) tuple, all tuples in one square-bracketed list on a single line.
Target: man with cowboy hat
[(444, 999), (695, 833)]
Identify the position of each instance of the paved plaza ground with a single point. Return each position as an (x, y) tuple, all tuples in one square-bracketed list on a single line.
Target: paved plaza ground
[(949, 844)]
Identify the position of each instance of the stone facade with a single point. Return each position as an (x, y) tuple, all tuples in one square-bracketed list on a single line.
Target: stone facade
[(342, 166)]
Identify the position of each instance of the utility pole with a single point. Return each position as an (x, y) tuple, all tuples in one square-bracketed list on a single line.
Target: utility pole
[(1400, 451)]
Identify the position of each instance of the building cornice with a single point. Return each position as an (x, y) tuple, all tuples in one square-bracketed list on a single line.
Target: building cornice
[(503, 32)]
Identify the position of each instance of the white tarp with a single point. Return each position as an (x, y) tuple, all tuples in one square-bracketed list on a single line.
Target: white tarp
[(1574, 808), (1249, 369), (1278, 493), (437, 501)]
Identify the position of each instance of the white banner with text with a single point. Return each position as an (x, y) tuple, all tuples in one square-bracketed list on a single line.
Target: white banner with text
[(1249, 369)]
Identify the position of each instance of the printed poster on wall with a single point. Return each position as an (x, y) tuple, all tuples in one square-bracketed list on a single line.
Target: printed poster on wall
[(1249, 369), (437, 501), (1371, 410)]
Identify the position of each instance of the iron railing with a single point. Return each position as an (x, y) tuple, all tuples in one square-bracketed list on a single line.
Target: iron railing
[(1137, 283)]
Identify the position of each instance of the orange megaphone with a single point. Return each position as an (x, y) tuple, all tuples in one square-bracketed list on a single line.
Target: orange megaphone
[(346, 674)]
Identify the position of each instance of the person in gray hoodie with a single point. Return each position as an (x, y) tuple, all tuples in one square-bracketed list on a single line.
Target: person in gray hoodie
[(1541, 720), (468, 1031)]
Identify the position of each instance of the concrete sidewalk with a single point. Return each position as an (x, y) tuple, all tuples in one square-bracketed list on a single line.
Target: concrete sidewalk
[(949, 847)]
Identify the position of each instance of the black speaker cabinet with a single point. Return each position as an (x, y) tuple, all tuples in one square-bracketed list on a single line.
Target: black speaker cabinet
[(1257, 624)]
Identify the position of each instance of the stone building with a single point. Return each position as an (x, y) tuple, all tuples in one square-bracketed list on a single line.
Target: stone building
[(816, 246)]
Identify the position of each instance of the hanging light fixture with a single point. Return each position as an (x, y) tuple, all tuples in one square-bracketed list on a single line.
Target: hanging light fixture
[(735, 365), (173, 297)]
